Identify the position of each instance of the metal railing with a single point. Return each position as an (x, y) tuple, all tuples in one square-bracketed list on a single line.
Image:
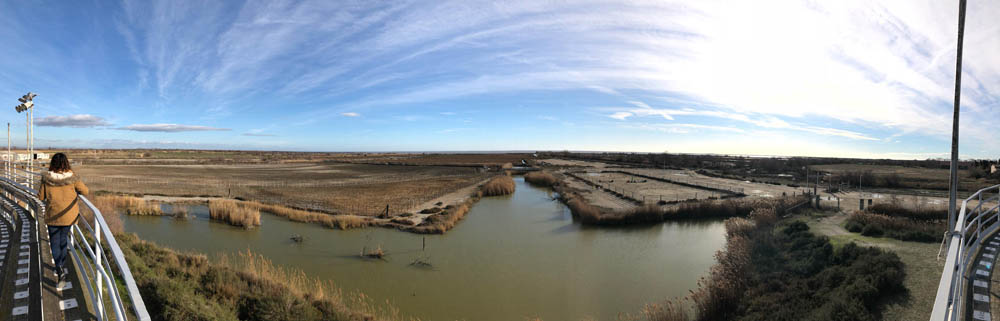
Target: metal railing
[(973, 225), (90, 242)]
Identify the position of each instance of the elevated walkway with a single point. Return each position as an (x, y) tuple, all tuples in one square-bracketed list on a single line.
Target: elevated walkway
[(99, 285), (965, 291)]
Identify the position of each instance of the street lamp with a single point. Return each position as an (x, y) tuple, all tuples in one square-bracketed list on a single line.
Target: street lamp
[(27, 104)]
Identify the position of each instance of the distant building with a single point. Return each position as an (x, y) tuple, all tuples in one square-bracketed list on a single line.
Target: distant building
[(993, 168), (21, 157)]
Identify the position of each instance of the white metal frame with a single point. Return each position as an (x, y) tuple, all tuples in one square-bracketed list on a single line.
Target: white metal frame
[(89, 248), (971, 229)]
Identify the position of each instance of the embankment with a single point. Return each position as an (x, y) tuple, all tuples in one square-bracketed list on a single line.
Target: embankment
[(650, 213)]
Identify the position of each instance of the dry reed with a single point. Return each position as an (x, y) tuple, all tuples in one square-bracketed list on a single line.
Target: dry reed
[(444, 221), (342, 222), (499, 185), (130, 205), (234, 213), (540, 178)]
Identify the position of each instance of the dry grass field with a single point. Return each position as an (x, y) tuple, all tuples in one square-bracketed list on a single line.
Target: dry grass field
[(337, 188), (905, 177)]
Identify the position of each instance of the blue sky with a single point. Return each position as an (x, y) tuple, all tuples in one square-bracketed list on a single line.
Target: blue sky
[(813, 78)]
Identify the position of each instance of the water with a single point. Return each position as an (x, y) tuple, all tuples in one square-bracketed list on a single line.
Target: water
[(512, 257)]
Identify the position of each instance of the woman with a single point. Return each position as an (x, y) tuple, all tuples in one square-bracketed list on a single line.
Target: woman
[(58, 190)]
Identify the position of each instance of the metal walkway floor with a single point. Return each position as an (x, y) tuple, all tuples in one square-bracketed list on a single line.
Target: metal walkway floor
[(30, 289), (979, 306)]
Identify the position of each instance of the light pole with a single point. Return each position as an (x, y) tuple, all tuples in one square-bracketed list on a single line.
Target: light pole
[(953, 184), (27, 104)]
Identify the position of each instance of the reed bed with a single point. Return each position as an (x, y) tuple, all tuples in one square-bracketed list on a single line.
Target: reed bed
[(540, 178), (234, 213), (498, 185), (110, 214), (342, 222), (129, 205)]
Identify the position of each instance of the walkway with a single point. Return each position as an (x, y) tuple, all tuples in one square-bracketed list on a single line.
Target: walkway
[(30, 290), (979, 308)]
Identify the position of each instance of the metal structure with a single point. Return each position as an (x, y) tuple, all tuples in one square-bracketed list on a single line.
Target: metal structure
[(967, 229), (28, 104), (978, 219), (92, 247)]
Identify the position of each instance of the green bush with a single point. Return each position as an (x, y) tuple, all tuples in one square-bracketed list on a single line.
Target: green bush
[(798, 276), (872, 230)]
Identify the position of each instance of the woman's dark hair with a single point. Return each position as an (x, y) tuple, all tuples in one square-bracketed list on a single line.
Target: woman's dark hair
[(59, 163)]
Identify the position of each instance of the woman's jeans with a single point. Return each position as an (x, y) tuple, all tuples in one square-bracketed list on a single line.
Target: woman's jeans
[(58, 240)]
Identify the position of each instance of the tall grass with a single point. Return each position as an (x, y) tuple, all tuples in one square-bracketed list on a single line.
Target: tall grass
[(499, 185), (130, 205), (108, 212), (540, 178), (234, 213), (342, 222)]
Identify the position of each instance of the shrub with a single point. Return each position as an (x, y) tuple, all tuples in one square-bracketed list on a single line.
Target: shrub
[(764, 273), (898, 210), (871, 230), (896, 227)]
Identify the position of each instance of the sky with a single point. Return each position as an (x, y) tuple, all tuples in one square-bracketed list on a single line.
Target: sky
[(870, 79)]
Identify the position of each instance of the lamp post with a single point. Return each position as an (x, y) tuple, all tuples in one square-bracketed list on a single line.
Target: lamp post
[(953, 183), (27, 104)]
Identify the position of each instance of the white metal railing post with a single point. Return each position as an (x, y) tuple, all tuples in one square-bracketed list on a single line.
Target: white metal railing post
[(99, 271)]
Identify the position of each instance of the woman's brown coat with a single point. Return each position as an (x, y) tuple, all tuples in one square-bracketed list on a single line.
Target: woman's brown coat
[(58, 191)]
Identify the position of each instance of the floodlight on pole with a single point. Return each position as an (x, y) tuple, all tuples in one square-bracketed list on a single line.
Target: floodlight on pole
[(27, 105)]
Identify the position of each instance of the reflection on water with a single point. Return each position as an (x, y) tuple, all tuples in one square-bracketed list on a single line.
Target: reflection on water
[(512, 257)]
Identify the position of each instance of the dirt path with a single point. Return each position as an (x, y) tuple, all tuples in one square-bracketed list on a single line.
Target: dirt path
[(457, 197)]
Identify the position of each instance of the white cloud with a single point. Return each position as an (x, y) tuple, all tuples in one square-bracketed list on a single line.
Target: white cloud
[(76, 121), (621, 115), (350, 114), (169, 128), (886, 66)]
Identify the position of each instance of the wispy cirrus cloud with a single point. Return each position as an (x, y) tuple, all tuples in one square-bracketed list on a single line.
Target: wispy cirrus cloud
[(857, 70), (75, 121), (169, 128)]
